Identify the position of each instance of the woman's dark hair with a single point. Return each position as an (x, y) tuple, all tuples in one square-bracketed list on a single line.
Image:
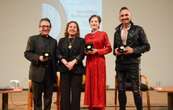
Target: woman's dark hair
[(45, 19), (98, 17), (66, 30)]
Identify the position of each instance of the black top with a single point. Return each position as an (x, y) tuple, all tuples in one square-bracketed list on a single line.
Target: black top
[(71, 49)]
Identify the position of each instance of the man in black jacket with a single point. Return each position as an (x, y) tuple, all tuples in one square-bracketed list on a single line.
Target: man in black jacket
[(130, 42), (41, 52)]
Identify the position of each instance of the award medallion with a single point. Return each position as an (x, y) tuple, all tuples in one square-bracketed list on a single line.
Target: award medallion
[(69, 46)]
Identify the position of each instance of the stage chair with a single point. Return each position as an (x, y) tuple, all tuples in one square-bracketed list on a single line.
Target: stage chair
[(144, 88), (56, 89)]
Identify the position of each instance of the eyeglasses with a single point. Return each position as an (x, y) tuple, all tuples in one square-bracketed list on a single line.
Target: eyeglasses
[(45, 26)]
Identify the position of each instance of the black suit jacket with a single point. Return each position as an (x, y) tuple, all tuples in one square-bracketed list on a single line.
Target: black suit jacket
[(36, 46), (76, 52)]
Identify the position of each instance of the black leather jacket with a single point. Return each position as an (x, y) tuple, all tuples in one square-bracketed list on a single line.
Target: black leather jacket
[(136, 39)]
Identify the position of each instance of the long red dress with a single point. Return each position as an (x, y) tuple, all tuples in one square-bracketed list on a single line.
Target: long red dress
[(95, 89)]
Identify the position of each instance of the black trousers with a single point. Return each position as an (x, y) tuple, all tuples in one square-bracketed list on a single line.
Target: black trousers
[(45, 87), (70, 91), (130, 74)]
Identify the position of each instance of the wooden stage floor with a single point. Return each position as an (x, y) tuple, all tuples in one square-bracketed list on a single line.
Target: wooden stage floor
[(18, 101)]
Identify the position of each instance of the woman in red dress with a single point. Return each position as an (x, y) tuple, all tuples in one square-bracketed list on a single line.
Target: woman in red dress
[(95, 89)]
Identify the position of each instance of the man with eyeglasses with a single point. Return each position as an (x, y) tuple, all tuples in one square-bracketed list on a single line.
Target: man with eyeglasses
[(130, 42), (41, 52)]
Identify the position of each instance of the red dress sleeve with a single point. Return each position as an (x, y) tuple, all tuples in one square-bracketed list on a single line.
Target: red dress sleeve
[(107, 46)]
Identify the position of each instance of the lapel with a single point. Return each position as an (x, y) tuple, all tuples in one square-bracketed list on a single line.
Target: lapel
[(130, 36), (119, 37)]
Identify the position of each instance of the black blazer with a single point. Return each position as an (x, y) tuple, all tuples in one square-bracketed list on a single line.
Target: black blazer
[(36, 46), (76, 52)]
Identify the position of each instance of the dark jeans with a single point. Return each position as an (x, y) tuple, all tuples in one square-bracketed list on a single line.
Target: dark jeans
[(129, 74), (70, 91)]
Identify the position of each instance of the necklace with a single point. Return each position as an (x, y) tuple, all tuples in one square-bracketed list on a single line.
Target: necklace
[(70, 42), (70, 46)]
